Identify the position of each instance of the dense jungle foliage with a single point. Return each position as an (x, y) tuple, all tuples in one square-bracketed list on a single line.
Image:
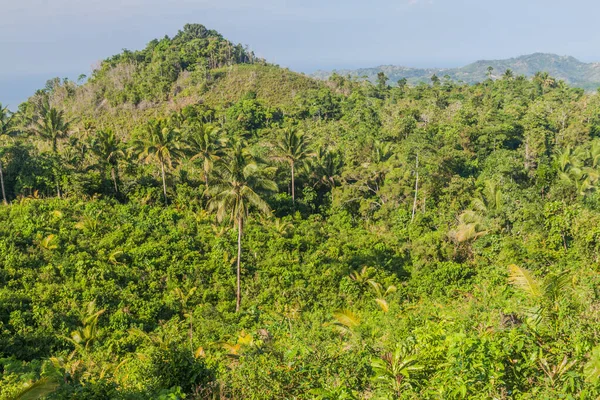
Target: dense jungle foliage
[(195, 223)]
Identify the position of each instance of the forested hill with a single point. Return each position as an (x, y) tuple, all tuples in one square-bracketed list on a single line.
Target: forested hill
[(569, 69), (194, 223)]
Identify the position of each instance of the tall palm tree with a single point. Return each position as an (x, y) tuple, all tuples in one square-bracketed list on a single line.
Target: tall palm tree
[(292, 147), (509, 74), (6, 128), (107, 147), (52, 126), (205, 143), (160, 143), (235, 194)]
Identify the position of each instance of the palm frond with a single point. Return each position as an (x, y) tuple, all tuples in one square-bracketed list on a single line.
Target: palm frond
[(37, 390), (524, 280)]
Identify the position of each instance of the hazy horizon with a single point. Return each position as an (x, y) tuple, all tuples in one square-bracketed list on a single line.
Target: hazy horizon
[(67, 37)]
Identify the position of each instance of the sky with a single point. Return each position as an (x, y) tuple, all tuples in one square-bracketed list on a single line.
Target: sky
[(41, 39)]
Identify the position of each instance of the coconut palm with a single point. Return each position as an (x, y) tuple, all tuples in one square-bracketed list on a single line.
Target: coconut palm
[(107, 148), (544, 293), (327, 168), (469, 228), (381, 151), (573, 172), (52, 126), (544, 80), (508, 74), (205, 143), (235, 194), (490, 200), (6, 128), (292, 148), (161, 144), (594, 154)]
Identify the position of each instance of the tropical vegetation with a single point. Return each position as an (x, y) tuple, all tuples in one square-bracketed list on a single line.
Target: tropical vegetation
[(195, 223)]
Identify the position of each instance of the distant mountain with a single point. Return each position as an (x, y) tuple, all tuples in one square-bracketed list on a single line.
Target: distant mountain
[(569, 69)]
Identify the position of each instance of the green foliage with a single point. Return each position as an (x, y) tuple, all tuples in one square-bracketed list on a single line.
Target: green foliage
[(363, 273)]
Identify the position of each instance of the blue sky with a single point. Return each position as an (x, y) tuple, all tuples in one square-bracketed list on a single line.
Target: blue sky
[(40, 39)]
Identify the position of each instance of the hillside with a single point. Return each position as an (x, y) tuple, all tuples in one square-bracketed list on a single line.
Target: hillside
[(194, 223), (196, 66), (569, 69)]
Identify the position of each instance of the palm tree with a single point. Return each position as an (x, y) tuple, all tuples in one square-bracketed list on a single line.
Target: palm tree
[(573, 172), (327, 168), (490, 199), (107, 147), (470, 227), (37, 389), (381, 151), (51, 125), (205, 143), (239, 178), (160, 143), (6, 128), (544, 293), (544, 80), (292, 148)]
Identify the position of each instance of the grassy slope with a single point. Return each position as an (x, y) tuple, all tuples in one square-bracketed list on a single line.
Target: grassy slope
[(274, 86)]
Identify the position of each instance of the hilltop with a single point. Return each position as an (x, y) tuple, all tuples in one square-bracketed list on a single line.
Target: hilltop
[(197, 66), (569, 69)]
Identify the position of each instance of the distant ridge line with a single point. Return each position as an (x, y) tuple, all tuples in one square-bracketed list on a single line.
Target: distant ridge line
[(567, 68)]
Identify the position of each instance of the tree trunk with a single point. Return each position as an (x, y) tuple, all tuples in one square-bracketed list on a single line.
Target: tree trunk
[(113, 175), (416, 190), (239, 258), (191, 332), (206, 178), (55, 152), (293, 187), (2, 184), (162, 170)]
